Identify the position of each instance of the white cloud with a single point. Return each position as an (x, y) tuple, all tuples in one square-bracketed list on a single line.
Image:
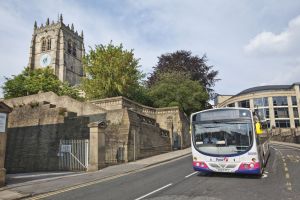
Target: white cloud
[(282, 44)]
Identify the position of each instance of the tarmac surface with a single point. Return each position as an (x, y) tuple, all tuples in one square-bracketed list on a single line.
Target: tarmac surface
[(33, 184), (166, 176)]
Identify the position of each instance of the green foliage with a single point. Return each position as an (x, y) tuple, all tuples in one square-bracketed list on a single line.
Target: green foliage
[(177, 89), (34, 81), (111, 71), (184, 61)]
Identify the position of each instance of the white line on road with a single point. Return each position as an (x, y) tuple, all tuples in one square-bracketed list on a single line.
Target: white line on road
[(289, 147), (159, 189), (191, 174), (286, 169)]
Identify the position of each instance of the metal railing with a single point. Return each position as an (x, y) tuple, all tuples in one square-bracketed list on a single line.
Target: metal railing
[(73, 155)]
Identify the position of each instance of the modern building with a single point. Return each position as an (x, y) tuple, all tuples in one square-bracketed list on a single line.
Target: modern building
[(278, 104), (60, 47)]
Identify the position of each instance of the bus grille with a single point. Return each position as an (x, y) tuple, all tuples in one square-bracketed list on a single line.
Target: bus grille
[(222, 165)]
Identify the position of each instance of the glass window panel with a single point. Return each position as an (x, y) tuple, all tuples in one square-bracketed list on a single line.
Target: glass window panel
[(244, 104), (281, 112), (263, 113), (294, 100), (282, 123), (260, 102), (296, 114), (280, 101), (231, 105), (297, 123)]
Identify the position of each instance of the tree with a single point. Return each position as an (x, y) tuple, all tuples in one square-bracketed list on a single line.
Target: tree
[(184, 61), (34, 81), (177, 89), (111, 71)]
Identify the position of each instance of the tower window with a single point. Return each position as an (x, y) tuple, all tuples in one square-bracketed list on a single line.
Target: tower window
[(49, 44), (43, 44), (69, 47), (74, 49)]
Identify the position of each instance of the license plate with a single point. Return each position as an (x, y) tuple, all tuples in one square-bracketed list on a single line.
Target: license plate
[(223, 170)]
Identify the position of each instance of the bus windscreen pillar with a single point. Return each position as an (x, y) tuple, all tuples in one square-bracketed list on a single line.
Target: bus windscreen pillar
[(4, 110)]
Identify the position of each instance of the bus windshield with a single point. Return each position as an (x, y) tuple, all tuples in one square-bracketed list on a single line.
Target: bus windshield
[(223, 137)]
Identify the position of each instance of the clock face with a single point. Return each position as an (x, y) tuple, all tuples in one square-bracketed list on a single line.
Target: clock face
[(45, 60)]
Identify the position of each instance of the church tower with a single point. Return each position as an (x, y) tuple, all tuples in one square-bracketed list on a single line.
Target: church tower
[(57, 45)]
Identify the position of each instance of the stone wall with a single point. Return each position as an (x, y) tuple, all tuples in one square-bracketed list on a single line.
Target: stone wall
[(170, 118), (132, 132), (81, 108), (131, 136), (34, 132), (291, 135)]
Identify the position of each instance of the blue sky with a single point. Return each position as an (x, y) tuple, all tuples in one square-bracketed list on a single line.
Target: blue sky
[(250, 42)]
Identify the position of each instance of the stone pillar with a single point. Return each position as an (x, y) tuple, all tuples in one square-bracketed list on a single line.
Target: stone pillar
[(97, 145), (271, 112), (4, 110), (291, 112)]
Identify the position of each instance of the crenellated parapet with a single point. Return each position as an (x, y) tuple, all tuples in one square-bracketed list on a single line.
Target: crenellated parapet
[(55, 25)]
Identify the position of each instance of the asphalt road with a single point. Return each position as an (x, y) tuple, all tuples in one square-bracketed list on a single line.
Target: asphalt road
[(177, 180)]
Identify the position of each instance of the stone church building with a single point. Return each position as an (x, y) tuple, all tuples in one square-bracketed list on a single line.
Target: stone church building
[(59, 46), (40, 123)]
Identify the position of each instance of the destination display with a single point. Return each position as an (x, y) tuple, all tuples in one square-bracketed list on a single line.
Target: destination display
[(222, 114)]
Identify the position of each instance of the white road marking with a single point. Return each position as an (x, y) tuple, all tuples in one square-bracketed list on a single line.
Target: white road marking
[(159, 189), (191, 174), (287, 175), (289, 186), (264, 176), (285, 146), (286, 169)]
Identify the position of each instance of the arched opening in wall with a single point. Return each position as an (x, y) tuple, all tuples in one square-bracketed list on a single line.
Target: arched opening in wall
[(69, 46), (43, 47)]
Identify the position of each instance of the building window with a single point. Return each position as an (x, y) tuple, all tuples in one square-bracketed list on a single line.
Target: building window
[(43, 44), (74, 49), (296, 113), (281, 112), (244, 104), (297, 124), (280, 101), (231, 105), (261, 102), (268, 124), (282, 123), (294, 100), (69, 47), (263, 113), (49, 44)]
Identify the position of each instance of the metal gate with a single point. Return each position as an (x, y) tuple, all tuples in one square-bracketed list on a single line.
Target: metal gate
[(73, 155)]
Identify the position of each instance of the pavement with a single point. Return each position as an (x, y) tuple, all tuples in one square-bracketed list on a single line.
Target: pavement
[(31, 184)]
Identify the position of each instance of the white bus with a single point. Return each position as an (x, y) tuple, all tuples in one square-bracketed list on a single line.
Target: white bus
[(226, 140)]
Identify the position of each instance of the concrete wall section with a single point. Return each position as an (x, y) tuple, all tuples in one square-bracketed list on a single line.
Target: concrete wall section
[(34, 133)]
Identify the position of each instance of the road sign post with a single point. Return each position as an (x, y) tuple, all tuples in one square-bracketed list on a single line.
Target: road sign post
[(4, 110)]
